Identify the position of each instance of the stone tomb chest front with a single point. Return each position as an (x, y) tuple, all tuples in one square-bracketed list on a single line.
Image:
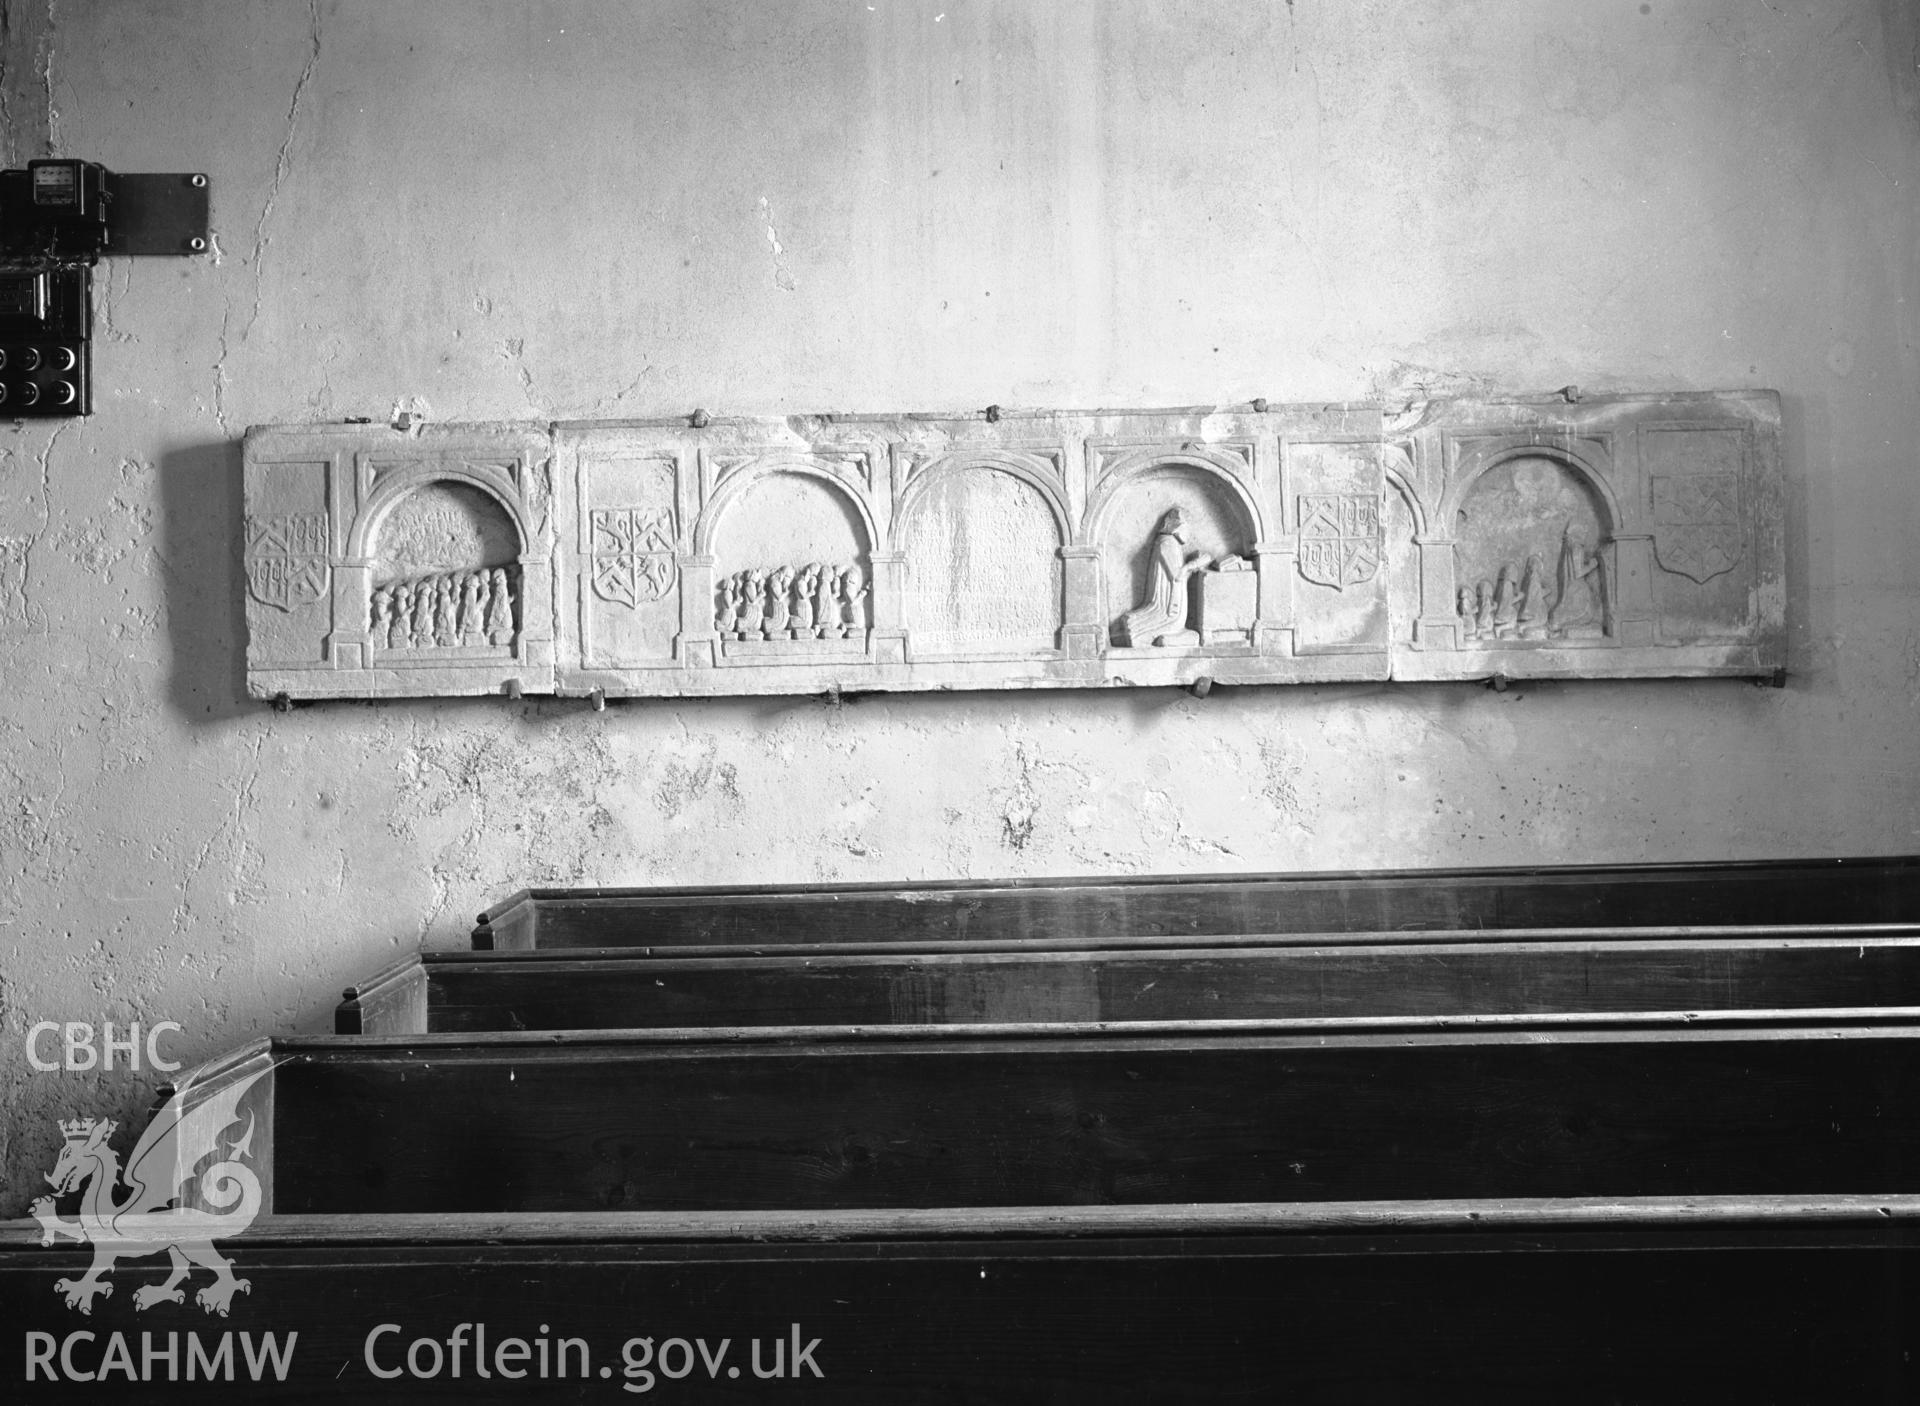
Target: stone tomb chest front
[(1634, 536)]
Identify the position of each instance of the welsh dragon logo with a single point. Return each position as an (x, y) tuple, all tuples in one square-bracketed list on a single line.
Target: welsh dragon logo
[(163, 1167)]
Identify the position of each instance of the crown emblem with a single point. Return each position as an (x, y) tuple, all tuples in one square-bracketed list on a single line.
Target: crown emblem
[(80, 1129)]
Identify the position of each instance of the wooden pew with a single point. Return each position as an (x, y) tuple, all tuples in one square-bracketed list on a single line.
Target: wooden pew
[(1669, 1301), (1811, 892), (1514, 971), (957, 1117), (1641, 1133)]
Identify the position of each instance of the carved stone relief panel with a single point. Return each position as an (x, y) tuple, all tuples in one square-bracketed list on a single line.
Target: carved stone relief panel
[(1336, 496), (1632, 536), (1711, 542), (1176, 534), (627, 526), (1626, 536), (289, 555), (982, 534), (392, 565)]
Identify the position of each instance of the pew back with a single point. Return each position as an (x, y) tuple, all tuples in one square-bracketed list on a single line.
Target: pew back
[(1811, 892), (1512, 972), (820, 1118)]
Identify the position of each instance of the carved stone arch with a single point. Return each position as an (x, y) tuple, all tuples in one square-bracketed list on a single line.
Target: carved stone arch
[(982, 534), (1567, 456), (737, 484), (389, 493), (1521, 510), (1029, 469), (1138, 463), (1402, 484)]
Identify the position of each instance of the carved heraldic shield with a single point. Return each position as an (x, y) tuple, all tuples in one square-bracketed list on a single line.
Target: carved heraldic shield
[(287, 559), (1340, 538), (1696, 524), (632, 554)]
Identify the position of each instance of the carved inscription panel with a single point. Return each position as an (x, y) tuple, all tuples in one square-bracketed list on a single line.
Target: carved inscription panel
[(1632, 536)]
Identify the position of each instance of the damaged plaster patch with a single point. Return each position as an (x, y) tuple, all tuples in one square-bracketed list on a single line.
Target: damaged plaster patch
[(685, 781), (1019, 805), (1164, 828), (1408, 382), (100, 543), (487, 813), (853, 818), (782, 276), (513, 351), (1280, 787), (14, 615)]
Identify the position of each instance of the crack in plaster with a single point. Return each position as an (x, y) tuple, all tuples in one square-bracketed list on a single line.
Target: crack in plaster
[(262, 239), (6, 95), (244, 799), (34, 617), (110, 300), (283, 162), (782, 275), (46, 73), (606, 403)]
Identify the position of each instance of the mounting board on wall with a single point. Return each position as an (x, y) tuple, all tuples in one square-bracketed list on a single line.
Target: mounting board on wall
[(1624, 537)]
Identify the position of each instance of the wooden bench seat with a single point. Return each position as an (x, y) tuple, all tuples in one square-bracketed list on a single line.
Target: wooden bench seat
[(1817, 892), (959, 1117), (1510, 971)]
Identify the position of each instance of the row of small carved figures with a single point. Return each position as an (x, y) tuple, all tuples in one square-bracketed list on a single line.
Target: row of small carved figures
[(1524, 604), (808, 602), (452, 608)]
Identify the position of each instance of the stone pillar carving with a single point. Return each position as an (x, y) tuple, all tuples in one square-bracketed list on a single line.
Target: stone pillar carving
[(1273, 627), (1630, 569), (889, 590), (1083, 632), (349, 643), (1437, 627), (697, 640)]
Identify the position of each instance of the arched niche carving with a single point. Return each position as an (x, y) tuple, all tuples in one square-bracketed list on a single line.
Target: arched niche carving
[(981, 534), (1399, 473), (1531, 529), (1146, 570), (444, 567), (792, 547), (1403, 524)]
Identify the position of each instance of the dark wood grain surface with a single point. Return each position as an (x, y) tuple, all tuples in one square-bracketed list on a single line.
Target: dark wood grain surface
[(1801, 891), (874, 1121), (1566, 1316), (462, 992)]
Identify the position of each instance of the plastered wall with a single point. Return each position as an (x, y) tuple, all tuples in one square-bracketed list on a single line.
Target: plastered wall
[(537, 211)]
